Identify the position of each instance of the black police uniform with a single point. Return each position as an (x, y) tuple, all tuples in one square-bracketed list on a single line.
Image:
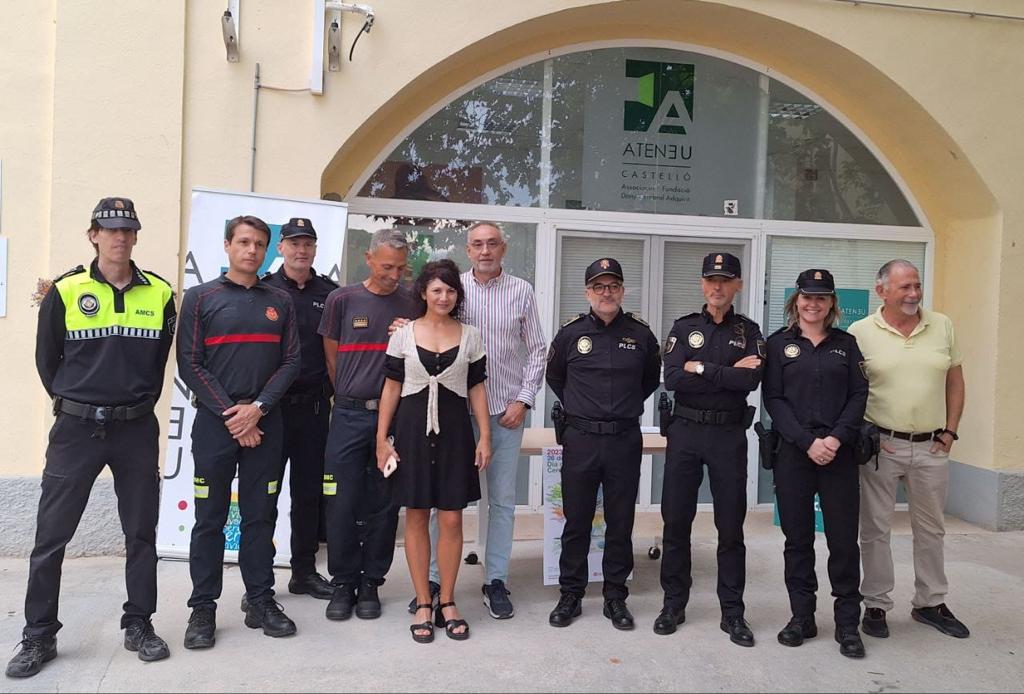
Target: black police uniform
[(602, 374), (812, 392), (101, 354), (305, 411), (235, 344), (707, 428)]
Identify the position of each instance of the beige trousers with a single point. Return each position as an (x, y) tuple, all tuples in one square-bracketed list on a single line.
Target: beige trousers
[(926, 479)]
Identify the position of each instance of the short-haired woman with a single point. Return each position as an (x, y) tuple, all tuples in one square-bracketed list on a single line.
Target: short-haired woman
[(434, 364)]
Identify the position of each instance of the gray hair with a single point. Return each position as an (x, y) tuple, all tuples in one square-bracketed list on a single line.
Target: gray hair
[(882, 278), (388, 237), (485, 223)]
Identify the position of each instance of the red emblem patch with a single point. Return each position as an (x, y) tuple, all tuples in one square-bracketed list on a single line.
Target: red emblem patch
[(271, 313)]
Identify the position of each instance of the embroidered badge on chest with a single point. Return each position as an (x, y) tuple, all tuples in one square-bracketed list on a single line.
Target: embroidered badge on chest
[(627, 343), (88, 304), (696, 339), (361, 322), (584, 345), (792, 351), (271, 313)]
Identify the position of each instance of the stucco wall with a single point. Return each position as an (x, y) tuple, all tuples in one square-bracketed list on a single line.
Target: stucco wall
[(138, 100)]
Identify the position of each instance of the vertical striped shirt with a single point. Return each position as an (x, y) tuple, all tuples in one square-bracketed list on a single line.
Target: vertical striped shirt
[(504, 310)]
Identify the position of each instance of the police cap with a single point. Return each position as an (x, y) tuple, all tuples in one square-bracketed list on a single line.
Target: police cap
[(298, 226), (815, 281), (116, 213), (721, 264), (604, 266)]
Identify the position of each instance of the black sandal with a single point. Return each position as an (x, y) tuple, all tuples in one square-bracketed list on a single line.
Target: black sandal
[(427, 626), (450, 625)]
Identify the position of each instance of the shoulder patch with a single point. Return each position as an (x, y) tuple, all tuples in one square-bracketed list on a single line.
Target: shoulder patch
[(573, 319), (637, 318), (72, 271)]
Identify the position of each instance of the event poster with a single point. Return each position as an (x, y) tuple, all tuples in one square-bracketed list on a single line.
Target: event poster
[(204, 260), (554, 521)]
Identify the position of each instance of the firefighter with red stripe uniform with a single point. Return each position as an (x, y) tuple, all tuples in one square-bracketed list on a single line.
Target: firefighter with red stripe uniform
[(104, 336), (361, 520), (238, 352)]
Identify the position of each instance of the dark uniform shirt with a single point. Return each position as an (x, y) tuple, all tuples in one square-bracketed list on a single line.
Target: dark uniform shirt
[(604, 372), (237, 343), (358, 320), (813, 392), (101, 345), (309, 300), (722, 387)]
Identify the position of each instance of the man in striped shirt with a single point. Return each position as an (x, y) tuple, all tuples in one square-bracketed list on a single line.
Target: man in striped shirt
[(504, 309)]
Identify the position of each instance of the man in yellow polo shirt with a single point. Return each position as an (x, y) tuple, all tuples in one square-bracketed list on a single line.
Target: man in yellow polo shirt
[(916, 397)]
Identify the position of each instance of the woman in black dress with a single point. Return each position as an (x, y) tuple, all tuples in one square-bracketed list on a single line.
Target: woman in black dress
[(434, 365)]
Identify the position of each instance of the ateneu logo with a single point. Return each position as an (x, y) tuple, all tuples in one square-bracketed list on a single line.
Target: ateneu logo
[(664, 102)]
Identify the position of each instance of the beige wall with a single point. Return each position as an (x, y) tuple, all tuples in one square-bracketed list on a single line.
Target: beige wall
[(937, 94)]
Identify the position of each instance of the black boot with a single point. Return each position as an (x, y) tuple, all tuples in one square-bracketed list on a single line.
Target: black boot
[(269, 615), (314, 584), (669, 619), (620, 615), (202, 626), (342, 602), (34, 653), (139, 637), (874, 623), (798, 629), (849, 642), (368, 604), (568, 608), (738, 630)]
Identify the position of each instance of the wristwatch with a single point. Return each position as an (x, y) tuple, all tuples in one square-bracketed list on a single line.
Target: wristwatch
[(940, 432), (264, 410), (699, 369), (525, 404)]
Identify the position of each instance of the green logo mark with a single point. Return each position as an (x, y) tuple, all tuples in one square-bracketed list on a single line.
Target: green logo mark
[(664, 98)]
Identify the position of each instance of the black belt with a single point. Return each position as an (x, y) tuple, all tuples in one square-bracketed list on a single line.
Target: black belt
[(596, 426), (906, 436), (304, 398), (356, 403), (101, 414), (709, 416)]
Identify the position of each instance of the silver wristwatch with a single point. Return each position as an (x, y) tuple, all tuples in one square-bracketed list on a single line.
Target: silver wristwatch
[(699, 369)]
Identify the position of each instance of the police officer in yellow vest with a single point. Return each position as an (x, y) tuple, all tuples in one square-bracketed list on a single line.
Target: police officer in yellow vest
[(102, 344)]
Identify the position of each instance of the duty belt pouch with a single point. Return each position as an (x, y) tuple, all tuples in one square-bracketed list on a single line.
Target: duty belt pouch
[(748, 417), (868, 444), (768, 444)]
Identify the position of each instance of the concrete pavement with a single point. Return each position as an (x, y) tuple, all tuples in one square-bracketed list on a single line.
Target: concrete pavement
[(986, 573)]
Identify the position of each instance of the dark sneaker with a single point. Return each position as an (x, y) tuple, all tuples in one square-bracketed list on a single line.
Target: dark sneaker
[(616, 610), (568, 608), (34, 653), (314, 584), (738, 630), (669, 619), (850, 644), (797, 631), (497, 600), (202, 626), (269, 616), (140, 638), (435, 594), (942, 619), (874, 623), (368, 603), (342, 602)]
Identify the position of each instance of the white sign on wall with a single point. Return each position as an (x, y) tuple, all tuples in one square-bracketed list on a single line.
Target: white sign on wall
[(204, 261)]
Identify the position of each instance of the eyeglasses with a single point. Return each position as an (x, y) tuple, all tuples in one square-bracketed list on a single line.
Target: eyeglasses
[(600, 288), (490, 245)]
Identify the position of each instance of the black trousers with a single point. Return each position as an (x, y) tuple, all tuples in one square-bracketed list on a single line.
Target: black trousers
[(216, 456), (610, 462), (837, 484), (361, 520), (73, 461), (723, 449), (305, 440)]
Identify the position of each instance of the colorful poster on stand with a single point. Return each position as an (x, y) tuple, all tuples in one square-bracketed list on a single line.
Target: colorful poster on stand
[(554, 521), (205, 260)]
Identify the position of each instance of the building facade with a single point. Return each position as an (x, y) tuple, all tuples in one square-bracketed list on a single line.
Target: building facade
[(793, 132)]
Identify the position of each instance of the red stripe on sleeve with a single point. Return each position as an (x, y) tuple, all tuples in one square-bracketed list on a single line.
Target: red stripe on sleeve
[(243, 337), (364, 347)]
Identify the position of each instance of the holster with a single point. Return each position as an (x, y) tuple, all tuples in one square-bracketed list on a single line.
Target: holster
[(768, 444), (559, 420), (664, 413)]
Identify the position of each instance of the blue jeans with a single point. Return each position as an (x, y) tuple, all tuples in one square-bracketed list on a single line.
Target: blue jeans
[(500, 493)]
